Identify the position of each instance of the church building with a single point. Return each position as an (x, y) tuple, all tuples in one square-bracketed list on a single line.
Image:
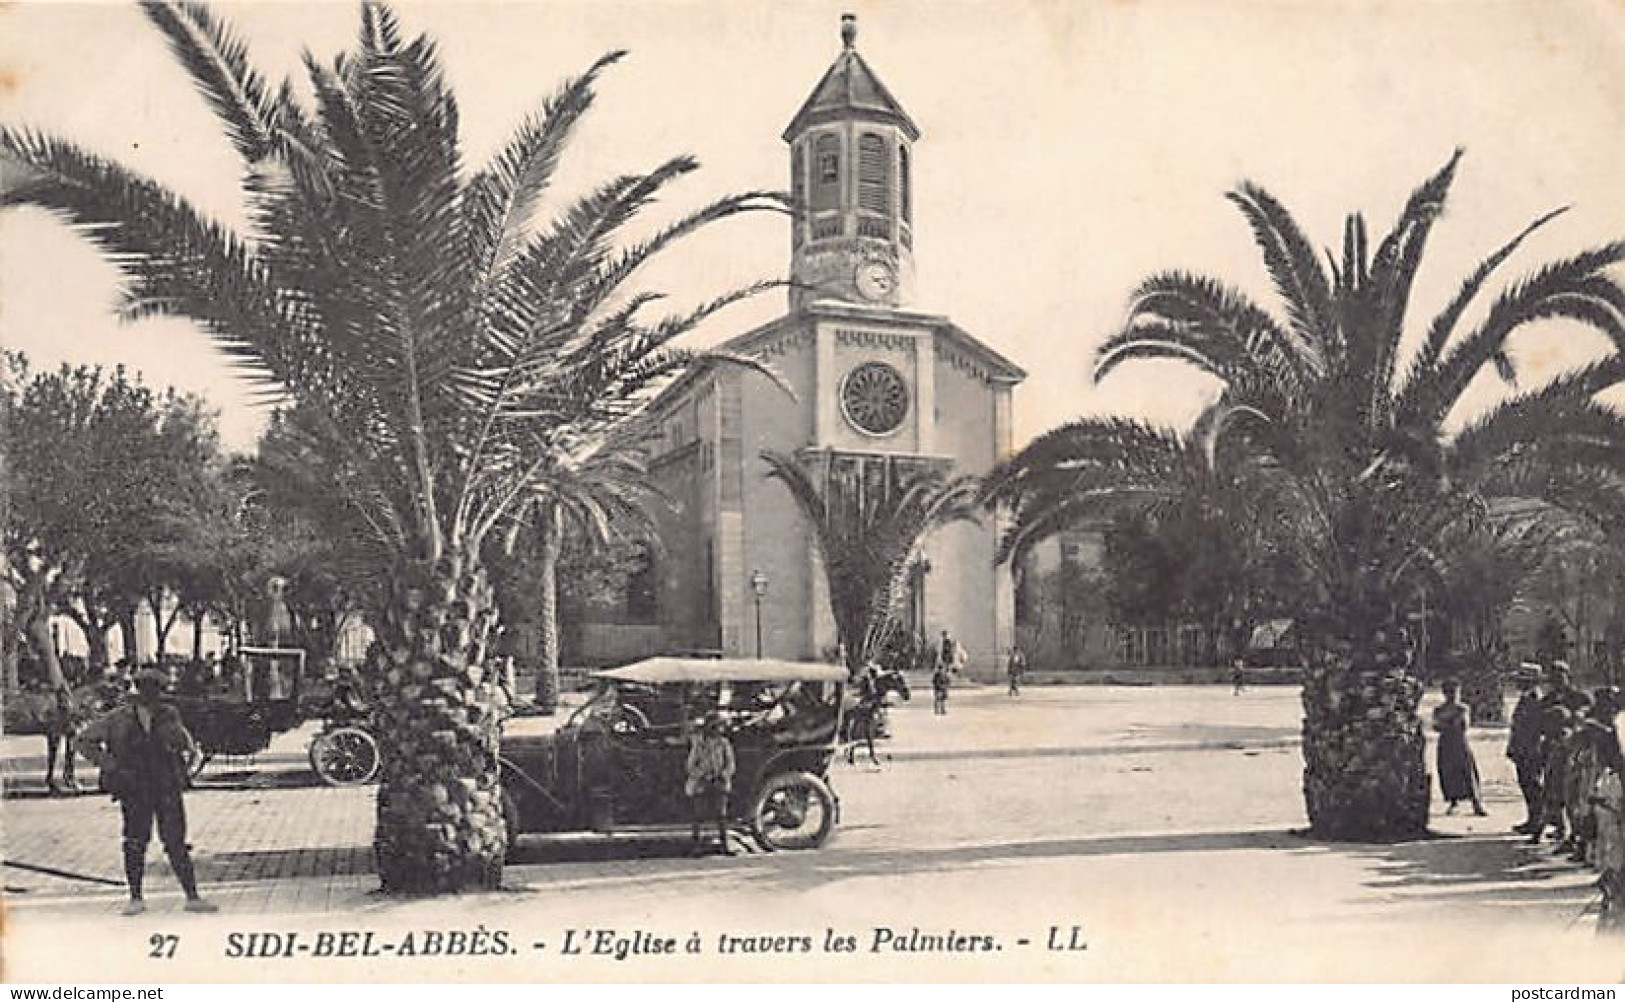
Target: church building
[(879, 385)]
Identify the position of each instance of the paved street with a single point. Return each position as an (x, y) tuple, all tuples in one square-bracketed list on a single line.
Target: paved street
[(1157, 820)]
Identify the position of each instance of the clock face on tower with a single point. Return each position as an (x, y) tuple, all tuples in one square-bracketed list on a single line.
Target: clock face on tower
[(875, 280)]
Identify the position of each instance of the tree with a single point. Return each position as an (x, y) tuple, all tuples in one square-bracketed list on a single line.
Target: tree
[(413, 307), (1354, 453), (96, 457), (1485, 566), (594, 500), (868, 531)]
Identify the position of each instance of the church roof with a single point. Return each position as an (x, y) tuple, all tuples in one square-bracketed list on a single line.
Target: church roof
[(850, 89)]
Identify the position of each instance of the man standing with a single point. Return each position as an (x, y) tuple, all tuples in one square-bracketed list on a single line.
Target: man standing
[(1016, 668), (1523, 745), (1558, 718), (142, 749)]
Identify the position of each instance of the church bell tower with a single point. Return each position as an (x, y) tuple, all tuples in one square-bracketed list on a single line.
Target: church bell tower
[(851, 158)]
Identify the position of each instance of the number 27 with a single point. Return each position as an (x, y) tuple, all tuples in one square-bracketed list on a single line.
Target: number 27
[(163, 946)]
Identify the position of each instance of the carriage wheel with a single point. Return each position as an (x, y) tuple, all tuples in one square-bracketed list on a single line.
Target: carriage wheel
[(344, 756), (510, 822), (795, 810)]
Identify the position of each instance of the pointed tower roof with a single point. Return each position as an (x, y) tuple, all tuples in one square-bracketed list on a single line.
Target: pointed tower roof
[(850, 89)]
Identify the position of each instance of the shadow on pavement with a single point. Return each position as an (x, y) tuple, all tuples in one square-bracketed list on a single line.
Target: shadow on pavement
[(1446, 871), (1486, 870), (270, 864), (251, 778)]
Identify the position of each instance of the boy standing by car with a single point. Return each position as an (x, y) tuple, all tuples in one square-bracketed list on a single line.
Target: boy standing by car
[(710, 770)]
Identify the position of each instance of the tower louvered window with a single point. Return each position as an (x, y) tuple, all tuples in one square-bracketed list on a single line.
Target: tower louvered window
[(874, 177), (798, 181), (905, 192), (827, 180)]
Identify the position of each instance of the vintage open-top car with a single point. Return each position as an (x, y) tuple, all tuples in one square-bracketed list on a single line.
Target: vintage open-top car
[(619, 762)]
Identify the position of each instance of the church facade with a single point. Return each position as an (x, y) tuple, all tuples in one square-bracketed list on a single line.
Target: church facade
[(878, 385)]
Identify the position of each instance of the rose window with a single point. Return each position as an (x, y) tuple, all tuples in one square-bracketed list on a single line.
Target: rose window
[(874, 398)]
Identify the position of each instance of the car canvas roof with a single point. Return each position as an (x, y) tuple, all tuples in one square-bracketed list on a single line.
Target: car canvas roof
[(663, 671)]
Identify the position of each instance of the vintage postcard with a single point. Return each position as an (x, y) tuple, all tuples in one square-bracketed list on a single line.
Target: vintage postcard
[(663, 490)]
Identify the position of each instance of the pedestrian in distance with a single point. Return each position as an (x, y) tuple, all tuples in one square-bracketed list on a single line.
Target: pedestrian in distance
[(1238, 676), (710, 769), (1523, 744), (142, 749), (940, 679), (1458, 771), (1016, 668), (950, 655)]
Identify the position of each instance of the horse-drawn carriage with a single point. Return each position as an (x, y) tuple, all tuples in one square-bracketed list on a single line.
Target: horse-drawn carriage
[(267, 691)]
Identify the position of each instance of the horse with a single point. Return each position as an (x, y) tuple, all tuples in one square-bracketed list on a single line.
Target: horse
[(60, 720), (865, 719)]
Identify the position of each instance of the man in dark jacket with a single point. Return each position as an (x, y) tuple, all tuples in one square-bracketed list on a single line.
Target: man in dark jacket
[(142, 748), (1523, 744)]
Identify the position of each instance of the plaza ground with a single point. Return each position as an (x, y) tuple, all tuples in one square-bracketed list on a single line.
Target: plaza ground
[(1160, 822)]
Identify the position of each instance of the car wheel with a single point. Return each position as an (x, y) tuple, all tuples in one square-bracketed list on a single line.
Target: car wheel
[(794, 810), (344, 756)]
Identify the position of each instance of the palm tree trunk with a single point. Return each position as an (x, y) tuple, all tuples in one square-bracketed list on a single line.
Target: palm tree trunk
[(439, 815), (551, 540), (1365, 775)]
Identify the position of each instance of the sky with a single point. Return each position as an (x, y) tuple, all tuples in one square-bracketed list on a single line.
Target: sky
[(1070, 148)]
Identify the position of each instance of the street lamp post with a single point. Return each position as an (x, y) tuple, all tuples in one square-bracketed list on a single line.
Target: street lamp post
[(758, 587)]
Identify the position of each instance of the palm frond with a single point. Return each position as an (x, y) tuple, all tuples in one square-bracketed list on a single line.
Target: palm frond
[(1575, 288), (1374, 347), (501, 198), (1293, 267), (217, 60), (1198, 320), (1444, 325), (176, 261)]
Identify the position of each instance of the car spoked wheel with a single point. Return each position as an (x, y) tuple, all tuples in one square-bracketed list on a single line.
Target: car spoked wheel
[(794, 810), (344, 756)]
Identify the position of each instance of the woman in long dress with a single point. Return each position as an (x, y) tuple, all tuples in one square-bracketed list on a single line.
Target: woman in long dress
[(1458, 772)]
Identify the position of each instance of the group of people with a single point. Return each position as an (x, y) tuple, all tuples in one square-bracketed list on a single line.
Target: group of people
[(1566, 748), (1564, 744)]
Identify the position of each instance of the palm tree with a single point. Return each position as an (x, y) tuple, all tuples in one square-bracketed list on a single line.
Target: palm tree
[(868, 533), (595, 498), (1483, 567), (1353, 449), (413, 307)]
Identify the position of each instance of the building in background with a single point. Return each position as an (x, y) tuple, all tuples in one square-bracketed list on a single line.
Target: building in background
[(879, 385)]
